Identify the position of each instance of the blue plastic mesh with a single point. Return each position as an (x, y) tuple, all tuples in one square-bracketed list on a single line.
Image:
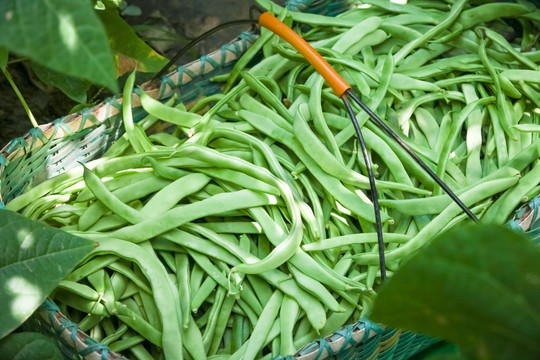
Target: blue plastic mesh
[(323, 7), (532, 211)]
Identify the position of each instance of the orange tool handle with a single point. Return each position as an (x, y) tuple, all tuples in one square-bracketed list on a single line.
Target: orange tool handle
[(335, 81)]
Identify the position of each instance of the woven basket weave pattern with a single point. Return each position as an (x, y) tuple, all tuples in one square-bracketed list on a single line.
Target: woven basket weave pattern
[(54, 148), (51, 149)]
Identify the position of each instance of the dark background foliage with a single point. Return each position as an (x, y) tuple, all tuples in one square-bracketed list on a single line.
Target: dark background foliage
[(183, 20)]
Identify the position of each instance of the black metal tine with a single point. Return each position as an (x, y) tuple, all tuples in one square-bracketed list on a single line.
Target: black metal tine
[(413, 155), (374, 195)]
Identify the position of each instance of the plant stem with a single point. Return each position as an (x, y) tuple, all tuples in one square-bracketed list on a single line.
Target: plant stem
[(17, 60), (21, 98)]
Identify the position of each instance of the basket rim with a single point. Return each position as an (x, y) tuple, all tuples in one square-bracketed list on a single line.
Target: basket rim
[(361, 331), (156, 90)]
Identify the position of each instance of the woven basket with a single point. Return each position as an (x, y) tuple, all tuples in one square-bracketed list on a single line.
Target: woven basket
[(54, 148)]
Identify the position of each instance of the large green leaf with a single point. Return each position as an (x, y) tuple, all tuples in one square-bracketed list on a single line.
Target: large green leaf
[(29, 345), (477, 287), (64, 35), (131, 51), (73, 87), (440, 351), (35, 257)]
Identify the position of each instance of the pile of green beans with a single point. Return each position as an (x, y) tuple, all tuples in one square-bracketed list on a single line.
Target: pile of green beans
[(247, 231)]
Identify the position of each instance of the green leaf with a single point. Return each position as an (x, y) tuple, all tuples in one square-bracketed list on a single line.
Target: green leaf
[(29, 345), (113, 3), (128, 46), (64, 35), (477, 287), (132, 10), (73, 87), (440, 351), (35, 257), (4, 55)]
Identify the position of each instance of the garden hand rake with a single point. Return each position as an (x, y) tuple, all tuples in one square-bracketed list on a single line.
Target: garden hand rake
[(344, 91)]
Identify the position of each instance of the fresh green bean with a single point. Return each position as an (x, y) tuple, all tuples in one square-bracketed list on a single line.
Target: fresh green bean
[(503, 43), (168, 113), (125, 178), (502, 208), (81, 304), (193, 337), (140, 352), (306, 264), (137, 323), (314, 164), (114, 336), (490, 11), (221, 323), (456, 127), (173, 193), (202, 293), (149, 306), (315, 288), (209, 332), (316, 112), (82, 290), (454, 13), (474, 135), (121, 196), (126, 343), (136, 135), (348, 240), (244, 60), (91, 266), (182, 214), (488, 188), (267, 96), (184, 289), (263, 326), (156, 274), (504, 115)]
